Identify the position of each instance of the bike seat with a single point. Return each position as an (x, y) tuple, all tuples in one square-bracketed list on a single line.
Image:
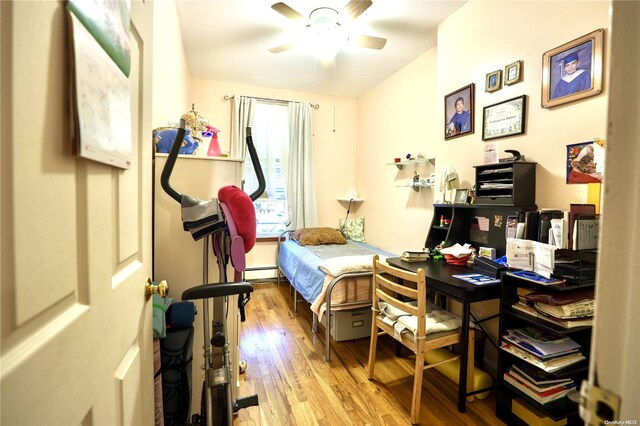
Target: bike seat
[(206, 291)]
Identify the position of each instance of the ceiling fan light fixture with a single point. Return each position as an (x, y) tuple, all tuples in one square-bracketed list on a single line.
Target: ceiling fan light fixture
[(325, 34)]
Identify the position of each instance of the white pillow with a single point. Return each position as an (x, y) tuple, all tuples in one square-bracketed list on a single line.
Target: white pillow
[(353, 229), (341, 265)]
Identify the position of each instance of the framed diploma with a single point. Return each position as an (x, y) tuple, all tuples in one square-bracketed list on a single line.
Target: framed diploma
[(506, 118)]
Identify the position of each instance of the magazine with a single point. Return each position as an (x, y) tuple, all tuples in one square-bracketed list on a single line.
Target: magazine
[(535, 375), (546, 365), (477, 279), (540, 397)]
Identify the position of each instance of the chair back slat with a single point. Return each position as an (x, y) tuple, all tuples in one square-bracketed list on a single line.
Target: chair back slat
[(410, 309), (395, 286), (398, 288), (388, 291)]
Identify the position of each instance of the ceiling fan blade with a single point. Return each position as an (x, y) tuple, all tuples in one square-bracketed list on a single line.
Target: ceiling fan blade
[(371, 42), (287, 11), (281, 48), (355, 8)]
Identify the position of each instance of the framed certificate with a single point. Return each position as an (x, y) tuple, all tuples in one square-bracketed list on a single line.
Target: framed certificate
[(503, 119)]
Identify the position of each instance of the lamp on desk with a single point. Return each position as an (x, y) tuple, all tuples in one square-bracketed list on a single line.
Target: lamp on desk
[(448, 181)]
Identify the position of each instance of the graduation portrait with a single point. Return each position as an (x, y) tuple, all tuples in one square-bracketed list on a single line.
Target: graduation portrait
[(573, 71)]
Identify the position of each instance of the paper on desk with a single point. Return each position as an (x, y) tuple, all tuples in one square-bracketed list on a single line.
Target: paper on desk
[(531, 256), (457, 250)]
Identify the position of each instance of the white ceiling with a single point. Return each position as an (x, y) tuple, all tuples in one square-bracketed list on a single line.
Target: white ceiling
[(227, 40)]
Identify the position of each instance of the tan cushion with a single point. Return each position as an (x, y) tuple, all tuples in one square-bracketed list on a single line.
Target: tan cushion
[(318, 236)]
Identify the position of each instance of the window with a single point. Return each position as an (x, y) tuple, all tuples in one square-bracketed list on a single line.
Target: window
[(270, 131)]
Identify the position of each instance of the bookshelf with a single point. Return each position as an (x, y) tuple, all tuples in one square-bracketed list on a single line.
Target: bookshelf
[(512, 318), (462, 219)]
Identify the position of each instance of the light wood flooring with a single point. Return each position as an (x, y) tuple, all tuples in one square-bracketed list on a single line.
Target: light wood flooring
[(295, 386)]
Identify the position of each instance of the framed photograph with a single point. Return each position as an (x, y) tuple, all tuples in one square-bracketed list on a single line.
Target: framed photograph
[(493, 81), (461, 196), (512, 73), (458, 112), (585, 162), (503, 119), (573, 71)]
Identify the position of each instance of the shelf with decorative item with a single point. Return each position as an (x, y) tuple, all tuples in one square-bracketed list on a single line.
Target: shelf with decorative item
[(355, 200), (401, 164), (416, 185)]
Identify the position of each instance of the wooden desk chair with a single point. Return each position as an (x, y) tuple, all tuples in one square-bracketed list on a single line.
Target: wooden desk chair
[(388, 291)]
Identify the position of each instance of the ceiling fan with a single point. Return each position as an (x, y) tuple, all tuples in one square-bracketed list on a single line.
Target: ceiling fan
[(327, 23)]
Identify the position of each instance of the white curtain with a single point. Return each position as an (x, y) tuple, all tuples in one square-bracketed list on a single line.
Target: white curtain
[(301, 192), (243, 108)]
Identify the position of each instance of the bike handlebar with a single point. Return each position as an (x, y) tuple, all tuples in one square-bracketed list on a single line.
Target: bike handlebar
[(173, 155)]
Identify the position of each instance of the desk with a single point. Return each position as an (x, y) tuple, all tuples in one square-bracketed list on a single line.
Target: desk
[(439, 278)]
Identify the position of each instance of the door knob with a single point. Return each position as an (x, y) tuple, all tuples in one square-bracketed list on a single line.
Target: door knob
[(162, 288)]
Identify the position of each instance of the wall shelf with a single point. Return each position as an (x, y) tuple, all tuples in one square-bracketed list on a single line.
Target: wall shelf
[(355, 200), (416, 186), (401, 164)]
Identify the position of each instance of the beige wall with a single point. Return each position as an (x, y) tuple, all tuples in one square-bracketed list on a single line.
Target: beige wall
[(404, 114), (395, 118), (333, 152), (171, 77), (496, 34)]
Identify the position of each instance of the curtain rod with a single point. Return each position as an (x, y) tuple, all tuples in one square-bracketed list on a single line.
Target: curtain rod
[(227, 98)]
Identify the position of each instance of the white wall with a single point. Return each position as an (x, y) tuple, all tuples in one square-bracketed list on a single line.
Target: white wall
[(171, 77)]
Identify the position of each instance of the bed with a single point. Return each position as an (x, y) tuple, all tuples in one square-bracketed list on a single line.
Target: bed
[(331, 277)]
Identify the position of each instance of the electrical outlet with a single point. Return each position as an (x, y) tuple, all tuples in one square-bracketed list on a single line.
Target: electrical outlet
[(598, 406)]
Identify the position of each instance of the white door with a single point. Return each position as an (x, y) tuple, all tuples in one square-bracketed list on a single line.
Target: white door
[(76, 238)]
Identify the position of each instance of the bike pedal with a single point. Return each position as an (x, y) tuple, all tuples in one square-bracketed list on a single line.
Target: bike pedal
[(247, 401)]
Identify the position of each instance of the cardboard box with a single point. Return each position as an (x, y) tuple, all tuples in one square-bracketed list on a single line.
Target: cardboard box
[(350, 324)]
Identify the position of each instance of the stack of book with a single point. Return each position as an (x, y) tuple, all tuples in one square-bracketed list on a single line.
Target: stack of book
[(414, 256), (547, 351), (567, 309), (540, 386)]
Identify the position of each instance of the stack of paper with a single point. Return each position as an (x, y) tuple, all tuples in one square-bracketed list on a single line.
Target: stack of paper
[(538, 385), (547, 351), (414, 256), (531, 256)]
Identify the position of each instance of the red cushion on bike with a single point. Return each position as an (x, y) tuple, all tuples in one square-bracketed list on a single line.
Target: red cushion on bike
[(243, 213)]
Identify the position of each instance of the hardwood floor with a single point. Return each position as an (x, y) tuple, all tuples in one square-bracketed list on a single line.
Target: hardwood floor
[(295, 386)]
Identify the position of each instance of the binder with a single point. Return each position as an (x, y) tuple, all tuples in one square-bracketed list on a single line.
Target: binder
[(574, 211), (585, 232), (486, 266), (531, 225), (545, 224)]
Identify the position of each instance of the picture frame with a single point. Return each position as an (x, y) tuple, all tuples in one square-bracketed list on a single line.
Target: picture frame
[(461, 196), (506, 118), (585, 162), (459, 123), (573, 70), (512, 73), (493, 81)]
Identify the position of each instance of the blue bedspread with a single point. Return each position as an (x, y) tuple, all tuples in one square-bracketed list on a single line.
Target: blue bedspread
[(300, 265)]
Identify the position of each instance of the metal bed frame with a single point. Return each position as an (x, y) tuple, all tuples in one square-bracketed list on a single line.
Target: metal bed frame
[(349, 279)]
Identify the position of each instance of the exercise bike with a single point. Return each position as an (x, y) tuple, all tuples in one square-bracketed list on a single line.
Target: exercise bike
[(231, 240)]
